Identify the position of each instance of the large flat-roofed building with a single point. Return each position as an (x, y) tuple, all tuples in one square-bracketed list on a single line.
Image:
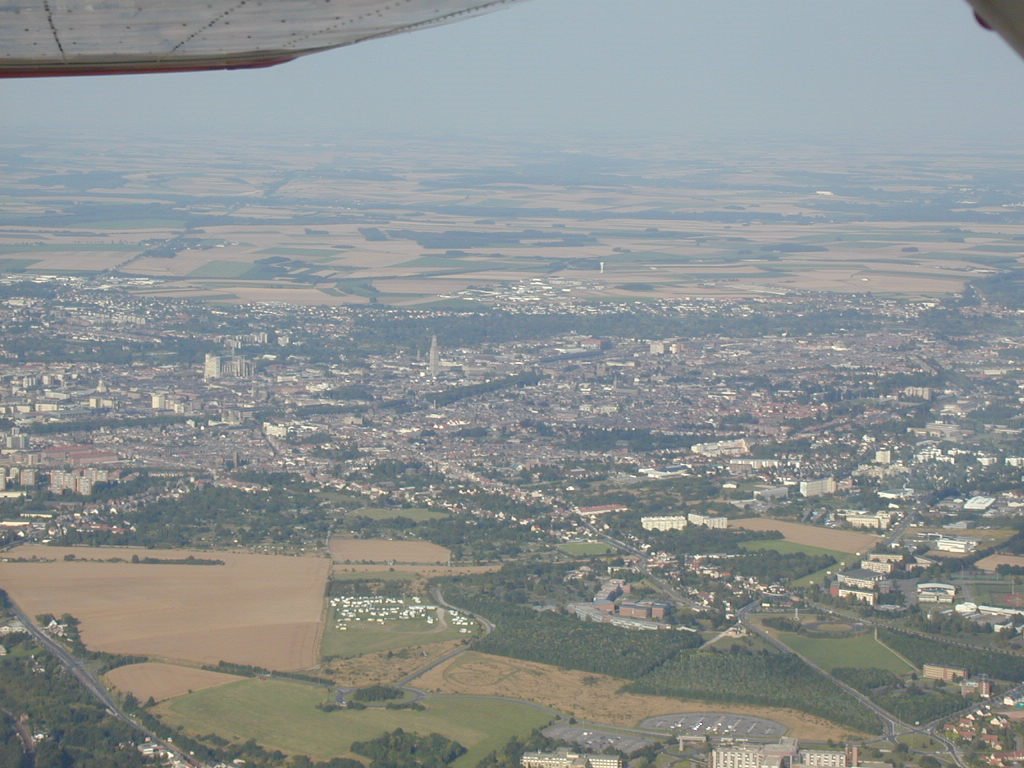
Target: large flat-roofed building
[(943, 673), (822, 487), (935, 592), (956, 544), (785, 754), (879, 521), (566, 759), (664, 523), (708, 521)]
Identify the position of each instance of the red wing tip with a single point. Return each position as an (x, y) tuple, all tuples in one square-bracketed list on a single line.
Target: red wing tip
[(92, 69)]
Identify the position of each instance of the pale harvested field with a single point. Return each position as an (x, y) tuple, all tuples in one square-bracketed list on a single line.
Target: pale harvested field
[(590, 697), (383, 668), (991, 562), (811, 535), (163, 681), (263, 610), (427, 571), (387, 551)]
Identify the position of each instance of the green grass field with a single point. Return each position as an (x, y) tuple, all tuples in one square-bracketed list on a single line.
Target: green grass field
[(585, 548), (364, 637), (283, 715), (860, 651), (787, 547), (221, 269), (418, 514)]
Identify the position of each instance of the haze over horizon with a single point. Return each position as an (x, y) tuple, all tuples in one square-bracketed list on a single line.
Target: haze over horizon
[(876, 76)]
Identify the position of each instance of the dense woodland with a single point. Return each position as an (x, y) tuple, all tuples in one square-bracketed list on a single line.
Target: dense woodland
[(766, 679), (922, 650), (551, 637), (37, 691), (400, 749)]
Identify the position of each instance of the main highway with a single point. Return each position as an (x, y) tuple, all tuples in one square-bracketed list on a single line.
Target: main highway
[(92, 684)]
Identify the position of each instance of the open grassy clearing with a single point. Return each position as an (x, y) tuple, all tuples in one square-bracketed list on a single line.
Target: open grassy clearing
[(348, 550), (786, 547), (263, 610), (860, 651), (164, 681), (283, 715), (593, 698), (390, 513), (585, 548)]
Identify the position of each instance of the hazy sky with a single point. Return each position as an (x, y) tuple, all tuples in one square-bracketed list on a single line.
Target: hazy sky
[(869, 72)]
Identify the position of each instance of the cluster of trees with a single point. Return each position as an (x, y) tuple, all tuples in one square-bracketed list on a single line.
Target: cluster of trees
[(910, 702), (400, 749), (565, 641), (454, 394), (80, 732), (212, 517), (765, 679), (378, 693), (511, 755), (769, 566), (922, 650)]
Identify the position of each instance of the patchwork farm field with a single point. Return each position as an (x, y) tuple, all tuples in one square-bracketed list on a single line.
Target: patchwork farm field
[(164, 681), (283, 715), (595, 698), (812, 535), (348, 550), (263, 610)]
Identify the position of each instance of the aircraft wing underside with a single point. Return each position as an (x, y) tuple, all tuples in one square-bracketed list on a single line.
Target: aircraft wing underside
[(90, 37), (1005, 17)]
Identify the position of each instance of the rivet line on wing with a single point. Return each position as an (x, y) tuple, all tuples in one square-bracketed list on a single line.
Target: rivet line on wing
[(53, 29), (215, 20)]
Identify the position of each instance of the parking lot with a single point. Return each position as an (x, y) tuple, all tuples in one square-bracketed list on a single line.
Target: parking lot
[(590, 740), (717, 724)]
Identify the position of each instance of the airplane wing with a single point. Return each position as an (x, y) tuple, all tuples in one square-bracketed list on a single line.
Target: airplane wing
[(40, 38), (1003, 16)]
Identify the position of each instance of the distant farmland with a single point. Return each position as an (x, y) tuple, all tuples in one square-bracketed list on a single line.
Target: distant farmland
[(812, 535), (263, 610), (387, 551)]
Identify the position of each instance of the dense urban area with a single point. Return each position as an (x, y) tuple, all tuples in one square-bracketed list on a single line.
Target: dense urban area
[(560, 513)]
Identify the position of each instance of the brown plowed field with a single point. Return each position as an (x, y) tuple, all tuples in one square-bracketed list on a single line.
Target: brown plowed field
[(263, 610), (387, 551), (812, 535), (163, 681)]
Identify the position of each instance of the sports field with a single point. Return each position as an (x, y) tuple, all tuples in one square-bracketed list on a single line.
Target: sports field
[(263, 610), (349, 550), (861, 651), (812, 535), (585, 548), (283, 715)]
